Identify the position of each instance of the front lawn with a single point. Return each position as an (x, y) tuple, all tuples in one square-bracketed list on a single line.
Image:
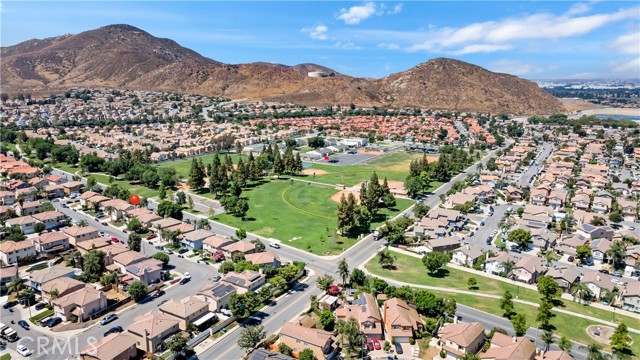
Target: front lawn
[(35, 319), (301, 215), (410, 269)]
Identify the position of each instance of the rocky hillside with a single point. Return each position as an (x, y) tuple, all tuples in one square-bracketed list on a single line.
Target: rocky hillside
[(122, 56)]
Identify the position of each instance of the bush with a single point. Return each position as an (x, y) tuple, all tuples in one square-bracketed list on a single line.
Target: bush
[(277, 293), (412, 341), (443, 354)]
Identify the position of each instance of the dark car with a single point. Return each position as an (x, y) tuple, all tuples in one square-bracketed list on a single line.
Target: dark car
[(40, 306), (53, 322), (23, 324), (184, 280), (182, 251), (158, 294), (604, 271), (115, 329), (398, 348), (515, 248), (9, 304)]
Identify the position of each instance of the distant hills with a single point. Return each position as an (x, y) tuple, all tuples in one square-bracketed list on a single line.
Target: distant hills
[(123, 56)]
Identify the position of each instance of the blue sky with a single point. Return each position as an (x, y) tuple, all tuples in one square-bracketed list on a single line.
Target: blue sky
[(535, 40)]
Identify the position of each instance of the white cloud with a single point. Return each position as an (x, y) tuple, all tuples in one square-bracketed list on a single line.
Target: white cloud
[(627, 44), (355, 14), (632, 68), (578, 8), (513, 67), (318, 32), (397, 8), (390, 46), (347, 45), (540, 26), (481, 48)]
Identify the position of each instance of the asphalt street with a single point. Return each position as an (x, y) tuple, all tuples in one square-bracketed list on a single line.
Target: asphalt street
[(528, 175)]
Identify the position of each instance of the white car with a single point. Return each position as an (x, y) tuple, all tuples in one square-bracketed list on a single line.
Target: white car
[(22, 350), (187, 275), (274, 245)]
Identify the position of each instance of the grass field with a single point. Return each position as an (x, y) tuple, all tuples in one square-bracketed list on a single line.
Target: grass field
[(409, 267), (394, 166), (66, 167), (41, 316), (183, 166), (301, 215)]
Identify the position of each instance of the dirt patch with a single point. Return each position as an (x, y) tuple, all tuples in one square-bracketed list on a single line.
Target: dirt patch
[(396, 188), (605, 333), (312, 172), (354, 190)]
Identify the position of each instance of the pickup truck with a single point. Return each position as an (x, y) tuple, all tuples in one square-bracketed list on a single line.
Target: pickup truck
[(8, 333)]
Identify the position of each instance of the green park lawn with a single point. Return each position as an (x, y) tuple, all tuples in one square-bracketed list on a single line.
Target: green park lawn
[(66, 167), (183, 166), (301, 215), (394, 166), (409, 267)]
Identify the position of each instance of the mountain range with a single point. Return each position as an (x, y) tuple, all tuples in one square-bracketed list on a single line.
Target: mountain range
[(123, 56)]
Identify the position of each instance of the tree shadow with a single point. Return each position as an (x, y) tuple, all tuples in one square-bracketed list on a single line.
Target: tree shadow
[(389, 267), (440, 273), (558, 303)]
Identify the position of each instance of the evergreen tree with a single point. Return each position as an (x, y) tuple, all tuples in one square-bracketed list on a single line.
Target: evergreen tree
[(298, 164), (278, 164), (253, 168), (289, 161), (196, 175), (343, 215), (228, 162)]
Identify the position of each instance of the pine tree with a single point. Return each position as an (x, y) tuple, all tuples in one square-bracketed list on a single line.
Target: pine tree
[(343, 214), (222, 180), (228, 162), (241, 174), (385, 187), (289, 161), (278, 164), (352, 207), (196, 175), (298, 164)]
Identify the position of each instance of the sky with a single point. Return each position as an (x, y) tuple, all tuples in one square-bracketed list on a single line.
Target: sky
[(534, 40)]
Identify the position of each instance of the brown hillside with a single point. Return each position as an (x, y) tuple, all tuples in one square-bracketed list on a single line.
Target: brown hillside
[(122, 56)]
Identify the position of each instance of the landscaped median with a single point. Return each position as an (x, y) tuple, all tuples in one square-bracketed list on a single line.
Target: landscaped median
[(410, 268)]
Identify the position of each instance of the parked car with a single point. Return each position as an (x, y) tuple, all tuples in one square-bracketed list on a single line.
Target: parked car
[(398, 347), (22, 350), (109, 318), (184, 280), (158, 294), (151, 236), (104, 223), (515, 248), (115, 329), (115, 239), (168, 251), (23, 324), (183, 250), (481, 223), (216, 278), (604, 271), (159, 247), (376, 344), (571, 259), (274, 245), (370, 344), (616, 274), (187, 275), (53, 322), (9, 304), (40, 306)]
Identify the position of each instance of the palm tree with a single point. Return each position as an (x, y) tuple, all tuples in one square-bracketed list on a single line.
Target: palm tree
[(508, 266), (595, 352), (343, 271), (83, 223), (547, 339), (15, 286), (109, 210), (480, 167), (581, 291), (54, 294)]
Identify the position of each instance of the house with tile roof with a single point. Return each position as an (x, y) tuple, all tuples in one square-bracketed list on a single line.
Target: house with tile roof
[(504, 347), (457, 339), (186, 310), (298, 338), (365, 310), (12, 251), (245, 281), (152, 329), (115, 346), (401, 321), (51, 242), (82, 303)]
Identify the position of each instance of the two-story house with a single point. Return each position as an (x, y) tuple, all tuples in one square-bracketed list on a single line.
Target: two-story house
[(457, 339), (12, 251), (365, 310), (186, 310), (152, 329), (320, 342), (401, 321), (51, 242)]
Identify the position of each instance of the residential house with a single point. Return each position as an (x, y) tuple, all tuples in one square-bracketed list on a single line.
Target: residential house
[(631, 297), (12, 251), (298, 338), (39, 277), (592, 232), (7, 197), (264, 258), (51, 242), (193, 239), (215, 243), (528, 269), (59, 287), (38, 183), (598, 283), (497, 265), (50, 219), (365, 310), (467, 255), (29, 193), (116, 346), (82, 304), (629, 209), (72, 187), (580, 202), (457, 339), (539, 196), (401, 321), (245, 281), (186, 310), (242, 247), (458, 199), (56, 180), (218, 295), (504, 347), (565, 276), (152, 329), (601, 204), (513, 193), (557, 198), (28, 208), (7, 275), (53, 191), (443, 245), (78, 234), (264, 354), (599, 248), (26, 224), (118, 208)]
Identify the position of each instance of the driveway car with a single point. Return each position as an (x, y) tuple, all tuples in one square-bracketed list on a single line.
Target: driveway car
[(216, 278), (168, 251), (40, 306), (23, 324), (10, 304), (370, 345), (53, 322), (398, 348), (107, 319), (151, 236), (376, 344)]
